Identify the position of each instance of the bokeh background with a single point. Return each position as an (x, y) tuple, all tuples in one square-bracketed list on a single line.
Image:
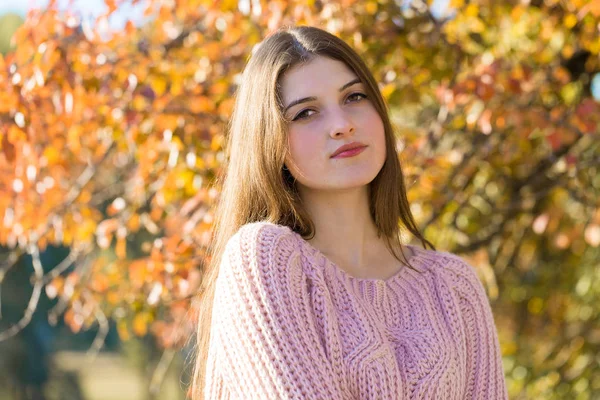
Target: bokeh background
[(112, 118)]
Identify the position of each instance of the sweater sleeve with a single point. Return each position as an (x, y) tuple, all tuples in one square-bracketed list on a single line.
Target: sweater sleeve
[(263, 343), (484, 369)]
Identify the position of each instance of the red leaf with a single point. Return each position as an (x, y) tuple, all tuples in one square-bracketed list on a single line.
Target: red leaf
[(555, 140)]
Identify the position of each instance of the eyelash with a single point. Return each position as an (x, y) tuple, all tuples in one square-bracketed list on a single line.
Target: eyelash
[(298, 116)]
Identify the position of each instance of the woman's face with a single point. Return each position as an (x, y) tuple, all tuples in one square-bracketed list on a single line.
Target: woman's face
[(326, 106)]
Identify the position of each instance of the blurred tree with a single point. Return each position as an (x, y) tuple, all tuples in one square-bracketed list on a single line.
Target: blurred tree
[(8, 25), (26, 365), (111, 142)]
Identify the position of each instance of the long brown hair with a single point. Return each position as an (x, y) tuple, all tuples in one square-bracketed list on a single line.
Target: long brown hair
[(256, 187)]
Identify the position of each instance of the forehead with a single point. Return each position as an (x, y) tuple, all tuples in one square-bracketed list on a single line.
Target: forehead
[(318, 76)]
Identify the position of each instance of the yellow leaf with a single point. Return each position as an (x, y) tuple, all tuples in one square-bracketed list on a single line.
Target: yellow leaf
[(158, 84), (176, 86), (421, 77), (122, 330), (86, 230), (371, 7), (570, 21), (387, 90), (535, 305), (68, 237), (570, 92), (140, 324), (516, 13), (509, 348), (472, 10), (140, 103), (476, 25), (73, 138), (229, 5), (216, 143)]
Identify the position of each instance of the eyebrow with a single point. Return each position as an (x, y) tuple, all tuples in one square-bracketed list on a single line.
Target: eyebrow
[(312, 98)]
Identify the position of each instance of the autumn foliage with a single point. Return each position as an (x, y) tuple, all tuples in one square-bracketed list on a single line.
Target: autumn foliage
[(111, 141)]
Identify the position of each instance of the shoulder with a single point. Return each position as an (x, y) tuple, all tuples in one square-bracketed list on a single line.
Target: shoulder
[(263, 242), (260, 260), (455, 271), (262, 229), (263, 235)]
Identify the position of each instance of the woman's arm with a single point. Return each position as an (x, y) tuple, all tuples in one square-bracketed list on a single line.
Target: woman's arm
[(263, 342), (485, 374)]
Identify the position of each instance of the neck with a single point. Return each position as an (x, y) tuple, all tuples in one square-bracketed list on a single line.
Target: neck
[(344, 228)]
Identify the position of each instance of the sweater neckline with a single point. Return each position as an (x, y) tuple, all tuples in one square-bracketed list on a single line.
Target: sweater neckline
[(416, 252)]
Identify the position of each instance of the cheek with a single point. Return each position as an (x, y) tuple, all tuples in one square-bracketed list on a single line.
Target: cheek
[(374, 126), (302, 144), (374, 120)]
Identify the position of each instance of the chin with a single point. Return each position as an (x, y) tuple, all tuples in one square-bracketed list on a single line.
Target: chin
[(353, 182), (353, 177)]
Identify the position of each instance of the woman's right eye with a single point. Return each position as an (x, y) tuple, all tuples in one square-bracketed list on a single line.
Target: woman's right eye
[(302, 115)]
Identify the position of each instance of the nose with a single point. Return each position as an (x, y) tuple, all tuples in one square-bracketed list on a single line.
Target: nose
[(341, 123)]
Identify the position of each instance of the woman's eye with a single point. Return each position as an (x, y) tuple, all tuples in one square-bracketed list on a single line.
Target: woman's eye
[(302, 115), (358, 96), (354, 98)]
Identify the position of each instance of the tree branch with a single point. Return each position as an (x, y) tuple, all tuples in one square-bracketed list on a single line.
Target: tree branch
[(102, 329), (13, 257), (158, 376), (35, 295), (60, 268)]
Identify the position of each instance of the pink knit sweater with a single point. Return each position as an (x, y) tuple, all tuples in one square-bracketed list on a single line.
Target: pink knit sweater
[(290, 324)]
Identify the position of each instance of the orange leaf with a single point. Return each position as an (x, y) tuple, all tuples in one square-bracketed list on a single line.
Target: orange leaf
[(121, 249), (113, 298), (133, 224), (100, 283), (111, 5), (16, 135), (200, 104), (594, 8), (226, 107), (137, 273), (156, 214), (219, 88), (129, 28), (73, 320)]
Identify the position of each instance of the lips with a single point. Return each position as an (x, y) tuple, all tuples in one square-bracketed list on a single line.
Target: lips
[(346, 147)]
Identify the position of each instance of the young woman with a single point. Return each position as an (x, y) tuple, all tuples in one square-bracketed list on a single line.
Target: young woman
[(310, 293)]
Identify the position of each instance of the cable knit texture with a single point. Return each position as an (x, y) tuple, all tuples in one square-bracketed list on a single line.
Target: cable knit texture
[(288, 323)]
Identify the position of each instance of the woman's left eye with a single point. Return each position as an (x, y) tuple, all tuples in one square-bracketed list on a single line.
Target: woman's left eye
[(358, 96)]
